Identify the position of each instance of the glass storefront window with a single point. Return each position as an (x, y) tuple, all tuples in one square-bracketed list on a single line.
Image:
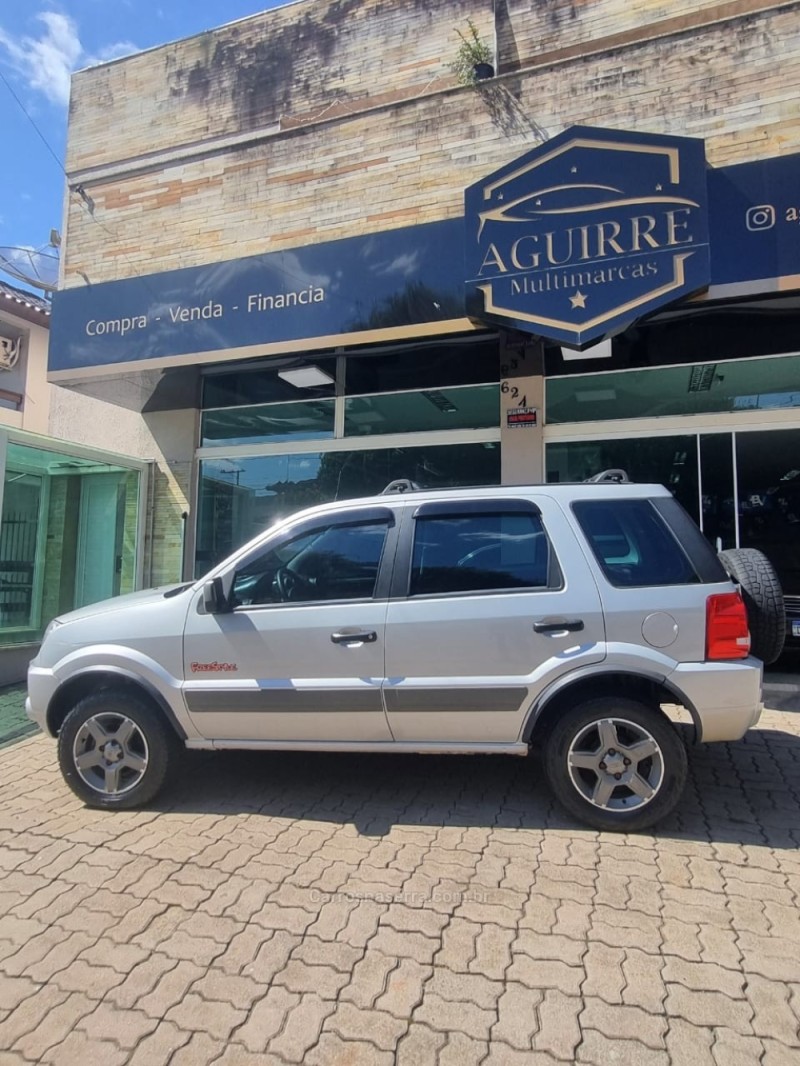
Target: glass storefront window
[(750, 484), (429, 366), (68, 537), (468, 407), (447, 385), (240, 497), (313, 420), (768, 477), (272, 384), (716, 472), (670, 461), (743, 386)]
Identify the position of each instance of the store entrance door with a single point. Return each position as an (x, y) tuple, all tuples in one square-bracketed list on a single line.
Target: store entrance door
[(99, 539)]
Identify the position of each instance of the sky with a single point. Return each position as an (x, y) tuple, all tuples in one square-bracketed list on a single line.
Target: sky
[(41, 43)]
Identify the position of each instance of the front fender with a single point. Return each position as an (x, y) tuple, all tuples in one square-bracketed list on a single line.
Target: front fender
[(111, 660)]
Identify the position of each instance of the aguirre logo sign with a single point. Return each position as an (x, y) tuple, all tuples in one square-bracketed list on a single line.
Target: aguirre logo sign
[(588, 232)]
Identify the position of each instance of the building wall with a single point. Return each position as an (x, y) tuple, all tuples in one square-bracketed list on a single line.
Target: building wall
[(24, 389), (36, 404), (331, 118)]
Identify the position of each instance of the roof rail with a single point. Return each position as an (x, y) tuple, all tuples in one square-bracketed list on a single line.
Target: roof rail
[(400, 485), (615, 476)]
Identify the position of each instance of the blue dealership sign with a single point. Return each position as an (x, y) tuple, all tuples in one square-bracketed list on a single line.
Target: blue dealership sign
[(587, 232), (754, 215), (347, 291)]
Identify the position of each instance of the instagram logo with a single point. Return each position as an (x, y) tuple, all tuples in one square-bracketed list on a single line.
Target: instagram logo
[(760, 217)]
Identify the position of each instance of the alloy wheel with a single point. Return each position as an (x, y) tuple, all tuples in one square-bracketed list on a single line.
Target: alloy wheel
[(616, 764), (110, 753)]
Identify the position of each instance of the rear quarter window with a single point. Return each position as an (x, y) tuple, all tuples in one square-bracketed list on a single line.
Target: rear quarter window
[(633, 544)]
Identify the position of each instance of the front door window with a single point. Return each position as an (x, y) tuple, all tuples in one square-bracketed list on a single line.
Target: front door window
[(328, 563)]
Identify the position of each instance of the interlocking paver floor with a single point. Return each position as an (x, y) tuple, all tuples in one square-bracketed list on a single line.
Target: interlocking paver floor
[(279, 909)]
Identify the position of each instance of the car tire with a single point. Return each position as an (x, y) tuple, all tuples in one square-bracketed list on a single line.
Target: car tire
[(115, 750), (763, 598), (584, 755)]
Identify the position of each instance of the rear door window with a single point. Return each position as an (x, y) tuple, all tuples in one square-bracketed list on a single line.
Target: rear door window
[(633, 544), (479, 553)]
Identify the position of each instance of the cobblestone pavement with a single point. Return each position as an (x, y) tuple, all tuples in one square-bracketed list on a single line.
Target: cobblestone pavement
[(323, 910)]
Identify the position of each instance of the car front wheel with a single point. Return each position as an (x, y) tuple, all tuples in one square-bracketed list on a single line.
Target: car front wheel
[(114, 750), (616, 764)]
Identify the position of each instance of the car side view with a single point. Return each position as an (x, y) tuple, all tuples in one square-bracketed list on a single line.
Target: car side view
[(561, 618)]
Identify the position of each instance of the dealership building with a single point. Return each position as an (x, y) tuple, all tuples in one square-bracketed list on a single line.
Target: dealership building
[(301, 260)]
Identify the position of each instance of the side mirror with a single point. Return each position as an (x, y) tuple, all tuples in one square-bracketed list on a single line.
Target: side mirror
[(214, 599)]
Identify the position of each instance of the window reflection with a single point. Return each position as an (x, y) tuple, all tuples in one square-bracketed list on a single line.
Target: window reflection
[(768, 475), (670, 461), (469, 407), (271, 422), (740, 387), (241, 497)]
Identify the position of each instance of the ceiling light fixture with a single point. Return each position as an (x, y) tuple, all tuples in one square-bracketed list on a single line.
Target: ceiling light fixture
[(601, 350), (306, 377)]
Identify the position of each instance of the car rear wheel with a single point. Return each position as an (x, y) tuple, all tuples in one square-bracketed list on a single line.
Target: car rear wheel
[(114, 750), (763, 598), (615, 764)]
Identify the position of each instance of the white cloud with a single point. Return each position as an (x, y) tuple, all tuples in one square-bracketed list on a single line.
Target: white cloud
[(46, 62)]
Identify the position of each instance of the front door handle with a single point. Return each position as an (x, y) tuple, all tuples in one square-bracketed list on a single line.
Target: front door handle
[(354, 638), (558, 625)]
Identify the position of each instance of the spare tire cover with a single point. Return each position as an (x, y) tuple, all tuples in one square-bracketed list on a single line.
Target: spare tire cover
[(763, 597)]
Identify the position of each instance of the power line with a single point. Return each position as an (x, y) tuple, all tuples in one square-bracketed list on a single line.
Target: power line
[(86, 202), (30, 119)]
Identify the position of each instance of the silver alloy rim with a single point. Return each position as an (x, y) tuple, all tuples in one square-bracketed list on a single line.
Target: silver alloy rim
[(110, 753), (616, 765)]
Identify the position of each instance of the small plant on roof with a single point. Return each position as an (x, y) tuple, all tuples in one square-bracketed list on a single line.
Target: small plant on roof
[(473, 62)]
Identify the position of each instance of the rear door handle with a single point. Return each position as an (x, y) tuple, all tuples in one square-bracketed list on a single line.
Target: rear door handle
[(354, 638), (558, 625)]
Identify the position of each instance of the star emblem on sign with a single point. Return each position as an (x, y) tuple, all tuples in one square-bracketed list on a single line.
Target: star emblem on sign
[(578, 300)]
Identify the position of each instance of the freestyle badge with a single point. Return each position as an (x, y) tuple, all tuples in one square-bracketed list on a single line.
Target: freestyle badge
[(588, 232)]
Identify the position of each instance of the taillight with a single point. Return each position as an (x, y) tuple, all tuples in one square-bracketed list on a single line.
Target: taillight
[(727, 631)]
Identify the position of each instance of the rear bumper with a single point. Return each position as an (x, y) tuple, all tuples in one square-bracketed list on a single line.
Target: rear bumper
[(725, 698)]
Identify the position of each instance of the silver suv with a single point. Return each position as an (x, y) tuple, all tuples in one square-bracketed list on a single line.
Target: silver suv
[(559, 617)]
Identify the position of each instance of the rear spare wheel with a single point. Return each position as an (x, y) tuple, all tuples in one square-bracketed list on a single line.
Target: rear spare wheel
[(763, 598)]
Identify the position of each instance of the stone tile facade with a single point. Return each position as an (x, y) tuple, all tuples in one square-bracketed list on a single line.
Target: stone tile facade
[(331, 118)]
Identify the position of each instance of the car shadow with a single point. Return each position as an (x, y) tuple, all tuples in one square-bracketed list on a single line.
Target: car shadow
[(746, 792)]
